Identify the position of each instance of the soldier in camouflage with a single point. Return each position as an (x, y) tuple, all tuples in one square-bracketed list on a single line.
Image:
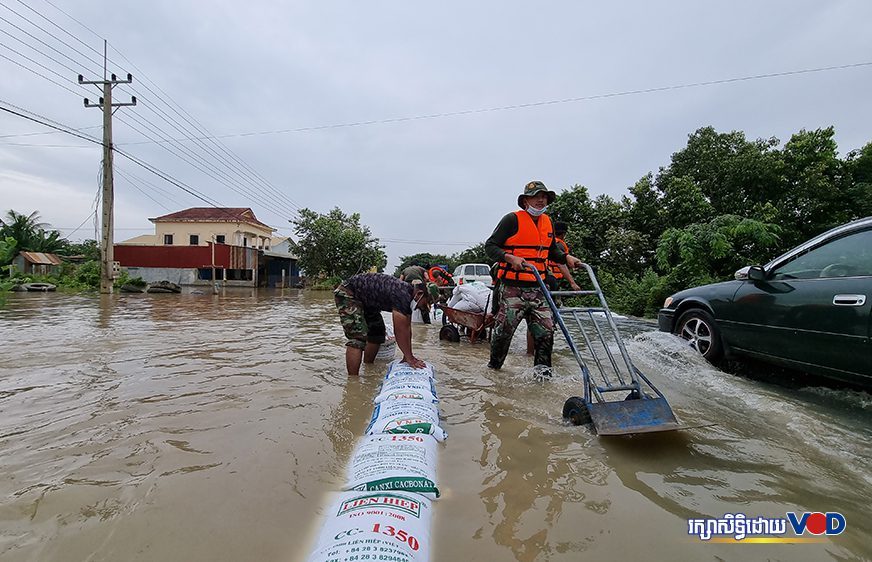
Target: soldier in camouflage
[(521, 239), (361, 299)]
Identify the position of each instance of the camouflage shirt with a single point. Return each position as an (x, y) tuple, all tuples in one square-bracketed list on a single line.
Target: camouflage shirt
[(378, 291)]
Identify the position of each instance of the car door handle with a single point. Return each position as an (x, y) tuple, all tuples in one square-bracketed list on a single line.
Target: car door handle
[(849, 300)]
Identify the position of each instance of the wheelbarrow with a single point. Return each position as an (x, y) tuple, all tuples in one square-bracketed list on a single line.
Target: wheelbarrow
[(455, 322), (625, 401)]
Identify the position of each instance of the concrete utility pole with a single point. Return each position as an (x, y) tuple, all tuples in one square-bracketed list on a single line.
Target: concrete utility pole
[(107, 253)]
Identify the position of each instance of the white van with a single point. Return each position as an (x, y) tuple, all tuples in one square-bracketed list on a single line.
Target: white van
[(473, 272)]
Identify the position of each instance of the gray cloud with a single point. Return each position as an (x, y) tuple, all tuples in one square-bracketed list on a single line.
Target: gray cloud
[(266, 66)]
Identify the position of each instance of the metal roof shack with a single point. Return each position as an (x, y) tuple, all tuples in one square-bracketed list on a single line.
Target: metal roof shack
[(38, 263)]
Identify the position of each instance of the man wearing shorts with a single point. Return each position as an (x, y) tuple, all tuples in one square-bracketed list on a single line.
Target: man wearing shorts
[(361, 300)]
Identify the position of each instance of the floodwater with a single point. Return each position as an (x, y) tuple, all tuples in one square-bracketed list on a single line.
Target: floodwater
[(211, 428)]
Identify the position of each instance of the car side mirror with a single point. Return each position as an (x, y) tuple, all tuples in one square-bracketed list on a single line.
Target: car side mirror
[(742, 274), (756, 273)]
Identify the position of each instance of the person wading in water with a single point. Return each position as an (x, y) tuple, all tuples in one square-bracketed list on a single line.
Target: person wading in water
[(525, 237)]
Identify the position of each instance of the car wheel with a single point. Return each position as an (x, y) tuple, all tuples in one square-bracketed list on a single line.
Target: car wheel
[(702, 333)]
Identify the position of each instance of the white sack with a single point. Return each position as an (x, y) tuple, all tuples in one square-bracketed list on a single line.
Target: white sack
[(391, 526), (385, 463), (409, 387), (405, 416), (398, 368), (472, 296)]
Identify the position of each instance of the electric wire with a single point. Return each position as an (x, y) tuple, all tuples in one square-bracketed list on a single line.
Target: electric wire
[(36, 133), (67, 237), (154, 170), (174, 106), (53, 81), (162, 114), (99, 54), (194, 160), (136, 187), (543, 103), (272, 202), (164, 192), (191, 120), (74, 61)]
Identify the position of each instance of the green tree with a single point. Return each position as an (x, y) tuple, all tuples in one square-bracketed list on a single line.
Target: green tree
[(858, 166), (7, 250), (424, 259), (815, 193), (684, 203), (30, 234), (711, 251), (476, 254), (732, 173), (335, 245), (90, 249)]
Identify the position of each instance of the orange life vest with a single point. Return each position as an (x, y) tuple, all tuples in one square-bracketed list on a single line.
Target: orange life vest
[(531, 242), (440, 280), (555, 269)]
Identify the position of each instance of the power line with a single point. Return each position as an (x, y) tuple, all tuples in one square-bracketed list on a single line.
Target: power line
[(136, 187), (163, 115), (225, 178), (99, 54), (68, 130), (425, 242), (192, 159), (191, 120), (55, 82), (537, 103), (165, 192), (33, 134), (38, 39), (45, 121), (43, 145)]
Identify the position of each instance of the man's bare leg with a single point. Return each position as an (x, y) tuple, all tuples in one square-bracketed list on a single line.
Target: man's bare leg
[(352, 360), (370, 352)]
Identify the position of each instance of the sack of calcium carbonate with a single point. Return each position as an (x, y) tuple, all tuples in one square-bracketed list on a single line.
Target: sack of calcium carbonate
[(391, 526), (400, 369), (384, 463), (405, 416), (412, 387)]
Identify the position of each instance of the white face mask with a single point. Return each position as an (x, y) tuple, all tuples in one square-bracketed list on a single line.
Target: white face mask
[(536, 212)]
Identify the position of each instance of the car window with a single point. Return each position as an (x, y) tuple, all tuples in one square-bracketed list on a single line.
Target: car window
[(849, 256), (457, 271), (482, 270), (470, 270)]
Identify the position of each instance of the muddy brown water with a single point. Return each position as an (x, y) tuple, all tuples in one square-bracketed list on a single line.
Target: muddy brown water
[(211, 428)]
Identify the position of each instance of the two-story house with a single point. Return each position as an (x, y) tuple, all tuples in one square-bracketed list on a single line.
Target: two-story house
[(187, 246)]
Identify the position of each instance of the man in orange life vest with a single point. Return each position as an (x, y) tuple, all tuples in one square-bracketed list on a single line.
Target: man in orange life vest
[(520, 238), (559, 277), (559, 271)]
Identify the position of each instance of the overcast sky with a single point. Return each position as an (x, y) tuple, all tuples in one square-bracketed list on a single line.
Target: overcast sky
[(242, 71)]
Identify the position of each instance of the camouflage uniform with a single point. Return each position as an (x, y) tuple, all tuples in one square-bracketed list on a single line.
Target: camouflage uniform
[(517, 303), (518, 299), (360, 300)]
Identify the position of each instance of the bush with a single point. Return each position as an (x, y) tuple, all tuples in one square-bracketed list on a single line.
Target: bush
[(125, 279), (86, 276), (326, 283)]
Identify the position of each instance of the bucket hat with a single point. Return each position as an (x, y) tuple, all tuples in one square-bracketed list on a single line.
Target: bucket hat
[(533, 188)]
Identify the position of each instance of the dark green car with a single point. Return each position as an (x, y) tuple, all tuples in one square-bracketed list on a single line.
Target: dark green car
[(808, 309)]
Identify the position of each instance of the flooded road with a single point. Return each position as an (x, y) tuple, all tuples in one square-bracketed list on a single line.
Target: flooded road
[(211, 428)]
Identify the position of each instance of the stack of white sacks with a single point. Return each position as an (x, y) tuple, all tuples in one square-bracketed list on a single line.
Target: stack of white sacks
[(384, 514)]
